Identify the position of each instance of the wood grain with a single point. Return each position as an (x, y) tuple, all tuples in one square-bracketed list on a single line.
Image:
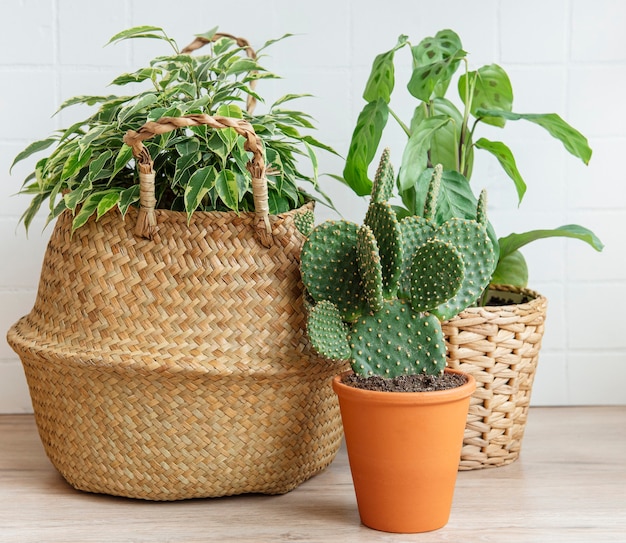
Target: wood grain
[(568, 486)]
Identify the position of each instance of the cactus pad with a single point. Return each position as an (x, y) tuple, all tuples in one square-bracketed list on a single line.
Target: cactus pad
[(432, 194), (378, 292), (327, 332), (382, 188), (476, 249), (304, 222), (369, 267), (436, 275), (395, 341), (381, 219), (328, 264), (481, 208), (415, 231)]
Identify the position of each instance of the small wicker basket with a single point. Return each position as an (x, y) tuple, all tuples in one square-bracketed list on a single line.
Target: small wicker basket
[(167, 359), (499, 345)]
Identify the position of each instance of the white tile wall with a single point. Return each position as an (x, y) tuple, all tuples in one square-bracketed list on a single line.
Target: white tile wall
[(597, 31), (600, 83), (28, 34), (18, 268), (545, 23), (14, 303), (563, 56), (82, 44), (27, 102), (12, 205), (600, 327), (592, 374), (609, 225), (551, 380), (14, 397), (584, 185)]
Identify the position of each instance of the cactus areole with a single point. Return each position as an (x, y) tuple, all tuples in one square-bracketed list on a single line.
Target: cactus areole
[(381, 289)]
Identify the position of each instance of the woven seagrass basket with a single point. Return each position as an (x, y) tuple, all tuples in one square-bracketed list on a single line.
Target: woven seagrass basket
[(169, 360), (498, 345)]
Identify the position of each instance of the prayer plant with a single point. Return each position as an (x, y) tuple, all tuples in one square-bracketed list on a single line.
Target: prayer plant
[(441, 133)]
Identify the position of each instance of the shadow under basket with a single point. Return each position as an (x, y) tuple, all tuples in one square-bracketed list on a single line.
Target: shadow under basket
[(499, 346), (177, 367)]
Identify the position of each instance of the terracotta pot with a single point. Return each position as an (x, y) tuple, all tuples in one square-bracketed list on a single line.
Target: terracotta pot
[(403, 450)]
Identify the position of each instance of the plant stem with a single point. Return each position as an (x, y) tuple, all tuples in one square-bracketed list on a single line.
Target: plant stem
[(469, 92), (404, 127), (429, 107)]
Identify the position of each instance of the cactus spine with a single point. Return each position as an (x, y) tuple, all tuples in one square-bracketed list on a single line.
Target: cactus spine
[(381, 290)]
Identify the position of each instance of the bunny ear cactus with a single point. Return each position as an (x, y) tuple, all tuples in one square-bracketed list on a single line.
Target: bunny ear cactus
[(467, 237), (328, 264), (432, 194), (380, 290), (370, 267), (437, 273), (382, 187), (397, 341), (328, 332), (417, 230), (304, 222), (472, 242), (382, 221)]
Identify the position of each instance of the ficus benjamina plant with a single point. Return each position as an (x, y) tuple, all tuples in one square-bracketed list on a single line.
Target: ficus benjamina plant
[(91, 170), (379, 290), (441, 133)]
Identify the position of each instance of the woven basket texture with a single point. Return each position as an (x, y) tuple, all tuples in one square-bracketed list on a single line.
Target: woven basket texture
[(177, 367), (499, 346)]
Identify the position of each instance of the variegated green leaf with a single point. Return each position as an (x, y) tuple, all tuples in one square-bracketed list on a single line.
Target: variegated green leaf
[(198, 186), (226, 185)]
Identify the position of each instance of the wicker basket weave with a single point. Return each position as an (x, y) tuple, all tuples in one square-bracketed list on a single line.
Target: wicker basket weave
[(178, 366), (499, 346)]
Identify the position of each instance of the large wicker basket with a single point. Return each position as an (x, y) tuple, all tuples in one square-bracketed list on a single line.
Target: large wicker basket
[(499, 345), (178, 366)]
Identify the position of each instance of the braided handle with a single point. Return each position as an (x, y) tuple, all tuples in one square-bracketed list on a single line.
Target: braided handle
[(241, 42), (146, 221)]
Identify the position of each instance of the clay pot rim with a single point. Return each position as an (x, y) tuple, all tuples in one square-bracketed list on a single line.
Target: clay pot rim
[(406, 398)]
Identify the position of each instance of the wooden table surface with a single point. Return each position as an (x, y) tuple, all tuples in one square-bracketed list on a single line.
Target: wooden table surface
[(568, 486)]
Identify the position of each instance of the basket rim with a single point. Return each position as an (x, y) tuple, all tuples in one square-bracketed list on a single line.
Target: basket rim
[(181, 216), (536, 297), (535, 309), (169, 216)]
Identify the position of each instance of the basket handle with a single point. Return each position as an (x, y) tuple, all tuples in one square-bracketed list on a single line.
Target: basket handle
[(241, 42), (146, 221)]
